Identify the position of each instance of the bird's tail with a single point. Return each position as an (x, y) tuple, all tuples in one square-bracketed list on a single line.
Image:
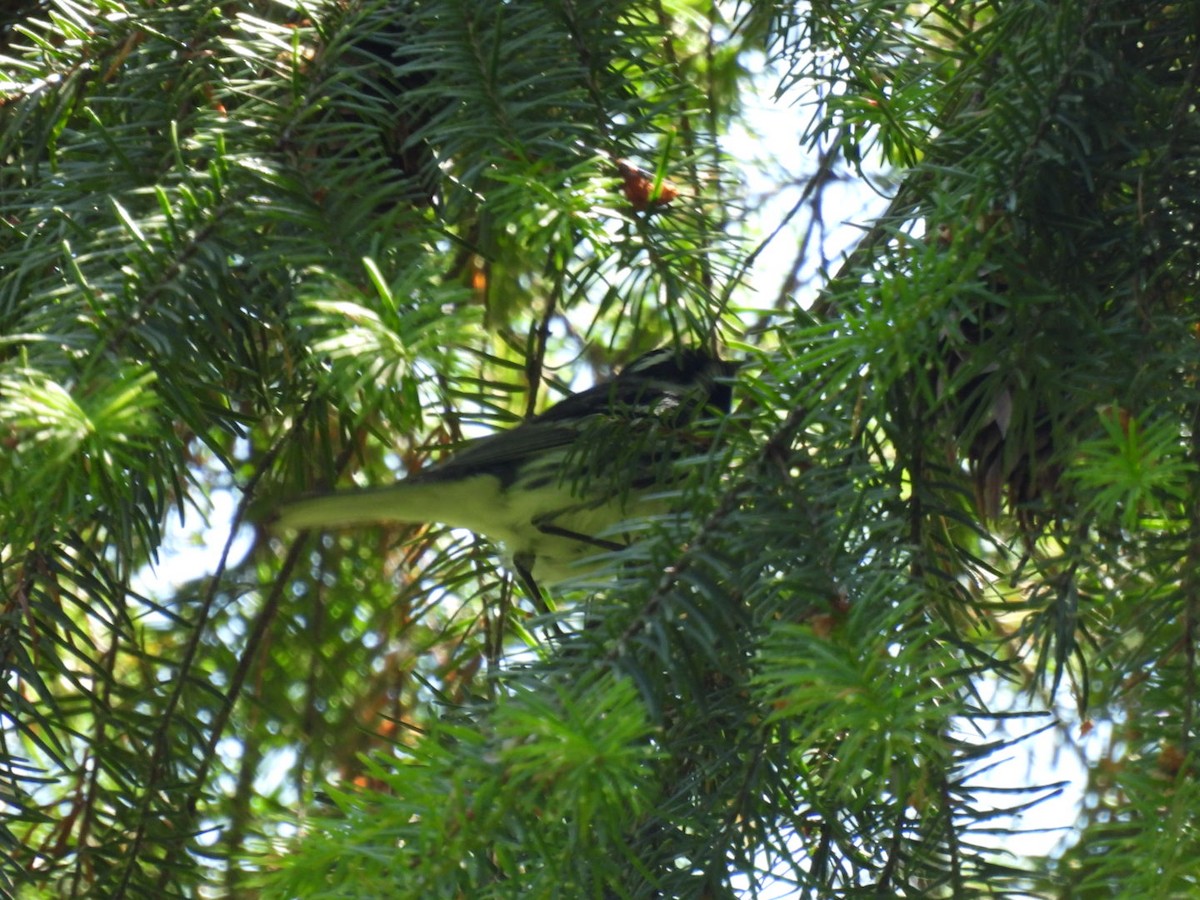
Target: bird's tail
[(413, 502)]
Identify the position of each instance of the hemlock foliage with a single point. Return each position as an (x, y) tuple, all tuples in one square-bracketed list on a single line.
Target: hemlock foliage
[(251, 248)]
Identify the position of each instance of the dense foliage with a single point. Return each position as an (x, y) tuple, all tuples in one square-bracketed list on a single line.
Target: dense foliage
[(250, 248)]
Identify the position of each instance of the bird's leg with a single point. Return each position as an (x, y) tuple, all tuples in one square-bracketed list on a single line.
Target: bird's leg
[(523, 564)]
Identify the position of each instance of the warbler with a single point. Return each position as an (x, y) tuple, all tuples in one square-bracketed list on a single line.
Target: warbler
[(552, 490)]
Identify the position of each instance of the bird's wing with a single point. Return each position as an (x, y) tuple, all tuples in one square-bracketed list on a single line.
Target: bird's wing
[(558, 427), (501, 454)]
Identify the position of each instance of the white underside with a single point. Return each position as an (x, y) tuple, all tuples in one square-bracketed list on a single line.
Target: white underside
[(478, 504)]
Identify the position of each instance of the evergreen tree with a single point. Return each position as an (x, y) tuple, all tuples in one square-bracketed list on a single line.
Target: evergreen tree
[(253, 248)]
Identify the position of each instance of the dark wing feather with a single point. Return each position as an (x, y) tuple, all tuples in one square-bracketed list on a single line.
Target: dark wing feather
[(503, 453), (648, 385)]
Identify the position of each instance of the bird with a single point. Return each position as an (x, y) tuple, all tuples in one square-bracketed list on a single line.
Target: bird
[(552, 491)]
